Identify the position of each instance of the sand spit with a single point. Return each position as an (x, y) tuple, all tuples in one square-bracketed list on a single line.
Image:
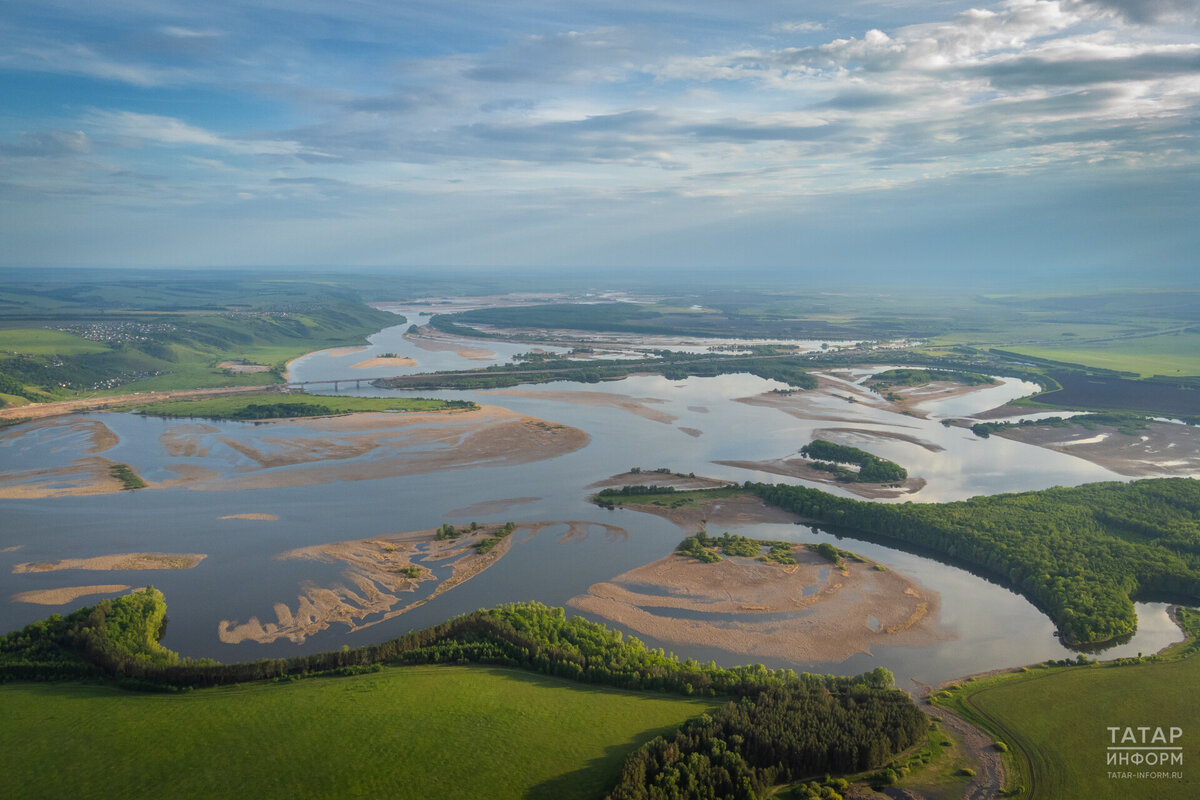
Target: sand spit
[(808, 613), (1162, 449), (799, 468), (118, 561), (867, 433), (385, 362), (431, 343), (911, 397), (578, 530), (254, 516), (84, 476), (640, 406), (66, 594), (378, 570), (14, 548), (490, 507), (653, 478)]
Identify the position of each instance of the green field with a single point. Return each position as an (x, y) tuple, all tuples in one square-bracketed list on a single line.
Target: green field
[(41, 341), (1173, 354), (408, 732), (1056, 720), (231, 407)]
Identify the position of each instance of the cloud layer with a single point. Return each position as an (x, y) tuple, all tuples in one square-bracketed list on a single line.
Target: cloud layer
[(465, 132)]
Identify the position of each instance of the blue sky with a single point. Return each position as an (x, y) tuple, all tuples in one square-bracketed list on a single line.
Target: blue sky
[(941, 137)]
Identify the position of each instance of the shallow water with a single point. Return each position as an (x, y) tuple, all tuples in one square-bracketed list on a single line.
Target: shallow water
[(242, 578)]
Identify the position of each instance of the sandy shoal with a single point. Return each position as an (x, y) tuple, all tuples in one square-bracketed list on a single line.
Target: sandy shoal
[(735, 511), (83, 476), (433, 344), (58, 408), (66, 594), (1162, 449), (868, 433), (118, 561), (490, 507), (808, 613), (912, 396), (253, 516), (374, 582), (640, 406), (380, 361)]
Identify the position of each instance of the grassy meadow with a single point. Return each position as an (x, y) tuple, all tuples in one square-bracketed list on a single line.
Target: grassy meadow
[(409, 732), (1056, 722), (1170, 354)]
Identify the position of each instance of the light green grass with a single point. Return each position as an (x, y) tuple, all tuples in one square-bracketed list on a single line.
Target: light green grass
[(44, 342), (1055, 720), (1173, 354), (407, 732)]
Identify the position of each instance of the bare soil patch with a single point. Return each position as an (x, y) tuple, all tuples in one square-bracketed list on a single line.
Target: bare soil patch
[(66, 594), (242, 368), (804, 613), (118, 561), (640, 406)]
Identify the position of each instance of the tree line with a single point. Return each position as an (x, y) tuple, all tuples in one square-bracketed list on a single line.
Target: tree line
[(1080, 554)]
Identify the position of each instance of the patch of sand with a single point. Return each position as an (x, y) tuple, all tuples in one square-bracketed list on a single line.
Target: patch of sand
[(58, 408), (434, 344), (181, 441), (14, 548), (263, 517), (385, 362), (118, 561), (799, 468), (808, 613), (634, 405), (831, 433), (578, 530), (1162, 449), (490, 507), (377, 573), (66, 594), (695, 433), (84, 476)]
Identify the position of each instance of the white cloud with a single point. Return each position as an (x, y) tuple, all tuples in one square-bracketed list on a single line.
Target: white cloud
[(157, 129)]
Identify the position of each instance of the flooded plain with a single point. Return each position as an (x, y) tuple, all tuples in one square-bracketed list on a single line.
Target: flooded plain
[(207, 497)]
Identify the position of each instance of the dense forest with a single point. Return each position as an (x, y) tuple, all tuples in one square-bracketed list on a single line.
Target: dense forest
[(871, 468), (1081, 554)]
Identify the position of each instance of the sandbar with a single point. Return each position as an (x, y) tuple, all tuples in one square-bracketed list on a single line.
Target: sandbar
[(830, 433), (432, 344), (378, 570), (490, 507), (118, 561), (810, 612), (83, 476), (736, 510), (654, 478), (66, 594), (1162, 449), (380, 361), (254, 516), (639, 406)]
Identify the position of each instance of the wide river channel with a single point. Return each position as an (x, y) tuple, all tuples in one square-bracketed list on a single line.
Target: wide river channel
[(646, 421)]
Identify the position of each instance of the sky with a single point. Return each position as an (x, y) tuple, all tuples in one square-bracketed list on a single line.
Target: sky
[(877, 137)]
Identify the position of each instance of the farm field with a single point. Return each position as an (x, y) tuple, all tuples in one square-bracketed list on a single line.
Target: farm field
[(1172, 354), (405, 732), (1057, 721)]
